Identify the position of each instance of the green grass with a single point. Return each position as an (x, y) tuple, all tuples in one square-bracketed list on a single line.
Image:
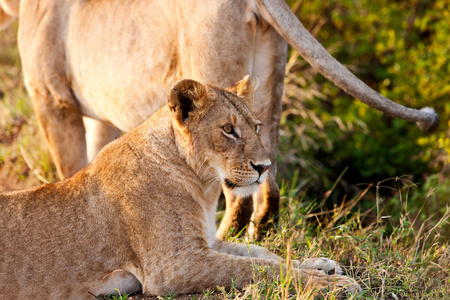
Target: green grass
[(392, 258), (390, 261), (112, 297), (24, 157)]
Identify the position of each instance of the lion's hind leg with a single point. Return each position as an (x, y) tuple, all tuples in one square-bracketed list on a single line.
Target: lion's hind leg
[(98, 135), (64, 131), (118, 282), (43, 55)]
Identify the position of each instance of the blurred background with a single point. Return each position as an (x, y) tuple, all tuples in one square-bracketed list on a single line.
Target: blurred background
[(338, 146)]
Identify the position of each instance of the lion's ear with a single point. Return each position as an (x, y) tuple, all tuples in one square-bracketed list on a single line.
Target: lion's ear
[(185, 96), (245, 88)]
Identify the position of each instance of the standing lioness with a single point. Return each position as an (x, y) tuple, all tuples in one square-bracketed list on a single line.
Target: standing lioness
[(141, 215)]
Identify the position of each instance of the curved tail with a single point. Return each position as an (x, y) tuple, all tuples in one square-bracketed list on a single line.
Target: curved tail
[(278, 14), (9, 10)]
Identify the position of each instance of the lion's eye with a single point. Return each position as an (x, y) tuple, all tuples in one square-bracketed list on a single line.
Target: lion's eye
[(228, 129)]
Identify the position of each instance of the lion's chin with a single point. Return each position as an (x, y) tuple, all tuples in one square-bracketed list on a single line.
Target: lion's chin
[(245, 191)]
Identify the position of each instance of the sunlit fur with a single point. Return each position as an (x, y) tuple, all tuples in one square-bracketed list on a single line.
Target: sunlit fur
[(141, 216)]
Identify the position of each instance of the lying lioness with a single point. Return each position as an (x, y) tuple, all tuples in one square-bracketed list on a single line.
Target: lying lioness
[(141, 215)]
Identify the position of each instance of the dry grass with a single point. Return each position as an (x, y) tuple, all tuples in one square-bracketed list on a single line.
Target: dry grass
[(24, 157)]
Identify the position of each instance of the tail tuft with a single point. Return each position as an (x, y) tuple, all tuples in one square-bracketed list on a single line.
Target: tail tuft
[(432, 123)]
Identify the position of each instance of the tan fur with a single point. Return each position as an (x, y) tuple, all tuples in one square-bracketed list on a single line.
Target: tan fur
[(9, 9), (114, 60), (5, 19), (141, 215)]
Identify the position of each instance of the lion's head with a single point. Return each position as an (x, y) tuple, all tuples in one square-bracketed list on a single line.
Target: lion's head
[(218, 131)]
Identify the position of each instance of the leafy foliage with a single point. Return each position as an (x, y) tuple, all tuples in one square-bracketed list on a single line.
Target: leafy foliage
[(401, 49)]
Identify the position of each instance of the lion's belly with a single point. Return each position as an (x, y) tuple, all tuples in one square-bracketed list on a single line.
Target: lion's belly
[(118, 87), (125, 108), (124, 79), (120, 71)]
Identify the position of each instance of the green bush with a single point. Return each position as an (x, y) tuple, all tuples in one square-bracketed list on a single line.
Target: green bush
[(399, 48)]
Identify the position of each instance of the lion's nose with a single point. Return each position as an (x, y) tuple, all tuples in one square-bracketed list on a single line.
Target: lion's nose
[(261, 168)]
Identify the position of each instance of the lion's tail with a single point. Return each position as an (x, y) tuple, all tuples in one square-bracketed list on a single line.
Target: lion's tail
[(9, 10), (278, 14)]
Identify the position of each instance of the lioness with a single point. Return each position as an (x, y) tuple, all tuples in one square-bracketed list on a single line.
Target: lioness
[(141, 215), (93, 68)]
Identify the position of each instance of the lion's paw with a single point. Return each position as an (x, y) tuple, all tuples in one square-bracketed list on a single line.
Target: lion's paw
[(347, 283), (329, 283), (326, 265)]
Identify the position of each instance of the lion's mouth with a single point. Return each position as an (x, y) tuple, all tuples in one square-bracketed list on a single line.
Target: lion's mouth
[(244, 190), (233, 185), (230, 184)]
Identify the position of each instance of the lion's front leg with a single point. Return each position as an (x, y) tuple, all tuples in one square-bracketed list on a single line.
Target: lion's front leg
[(246, 250), (201, 270), (326, 265), (237, 214), (240, 210)]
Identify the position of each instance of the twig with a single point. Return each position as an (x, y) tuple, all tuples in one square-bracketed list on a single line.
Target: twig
[(94, 296), (31, 166)]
